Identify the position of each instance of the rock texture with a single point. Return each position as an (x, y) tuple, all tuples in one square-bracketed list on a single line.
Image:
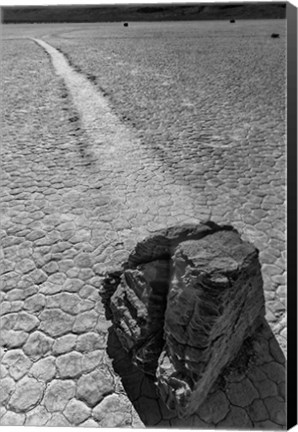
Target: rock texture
[(185, 301), (138, 307)]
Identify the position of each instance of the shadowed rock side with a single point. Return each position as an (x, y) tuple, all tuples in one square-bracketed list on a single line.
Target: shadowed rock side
[(214, 303), (184, 303)]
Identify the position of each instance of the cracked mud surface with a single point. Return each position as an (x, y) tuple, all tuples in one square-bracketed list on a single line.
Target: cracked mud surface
[(76, 194)]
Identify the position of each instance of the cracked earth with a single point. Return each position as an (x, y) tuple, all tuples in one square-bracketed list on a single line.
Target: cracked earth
[(78, 188)]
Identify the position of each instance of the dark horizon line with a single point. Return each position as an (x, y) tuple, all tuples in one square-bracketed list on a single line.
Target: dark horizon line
[(144, 12)]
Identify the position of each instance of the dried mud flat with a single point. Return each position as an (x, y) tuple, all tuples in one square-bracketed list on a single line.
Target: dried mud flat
[(94, 163)]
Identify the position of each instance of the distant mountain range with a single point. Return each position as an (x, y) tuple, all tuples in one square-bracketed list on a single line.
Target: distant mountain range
[(142, 12)]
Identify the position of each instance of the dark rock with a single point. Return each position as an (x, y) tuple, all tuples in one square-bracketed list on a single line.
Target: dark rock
[(108, 287), (275, 35), (214, 300), (125, 24), (183, 304), (162, 243), (135, 294), (232, 21), (138, 308)]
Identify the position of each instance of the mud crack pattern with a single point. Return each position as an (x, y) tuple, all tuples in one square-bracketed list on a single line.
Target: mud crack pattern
[(78, 190)]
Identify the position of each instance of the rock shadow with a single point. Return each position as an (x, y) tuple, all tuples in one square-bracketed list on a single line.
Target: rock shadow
[(140, 388), (251, 388)]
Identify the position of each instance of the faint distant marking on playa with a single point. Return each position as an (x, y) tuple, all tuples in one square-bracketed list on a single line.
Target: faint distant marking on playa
[(222, 146)]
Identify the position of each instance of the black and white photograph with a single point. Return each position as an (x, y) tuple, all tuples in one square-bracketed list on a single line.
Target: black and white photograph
[(143, 196)]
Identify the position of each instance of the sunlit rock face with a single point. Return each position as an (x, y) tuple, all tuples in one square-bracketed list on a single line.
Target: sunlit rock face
[(214, 301), (185, 301)]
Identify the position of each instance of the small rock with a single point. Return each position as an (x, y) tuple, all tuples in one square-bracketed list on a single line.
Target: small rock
[(76, 411), (94, 386), (27, 394), (58, 393)]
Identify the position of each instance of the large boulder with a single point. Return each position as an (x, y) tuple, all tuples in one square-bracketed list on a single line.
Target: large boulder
[(183, 304), (214, 303)]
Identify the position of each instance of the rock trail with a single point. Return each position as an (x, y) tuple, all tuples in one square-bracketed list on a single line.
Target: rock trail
[(135, 169), (79, 189)]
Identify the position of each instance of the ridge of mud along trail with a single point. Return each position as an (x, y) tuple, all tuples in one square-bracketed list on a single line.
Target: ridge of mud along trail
[(81, 187)]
